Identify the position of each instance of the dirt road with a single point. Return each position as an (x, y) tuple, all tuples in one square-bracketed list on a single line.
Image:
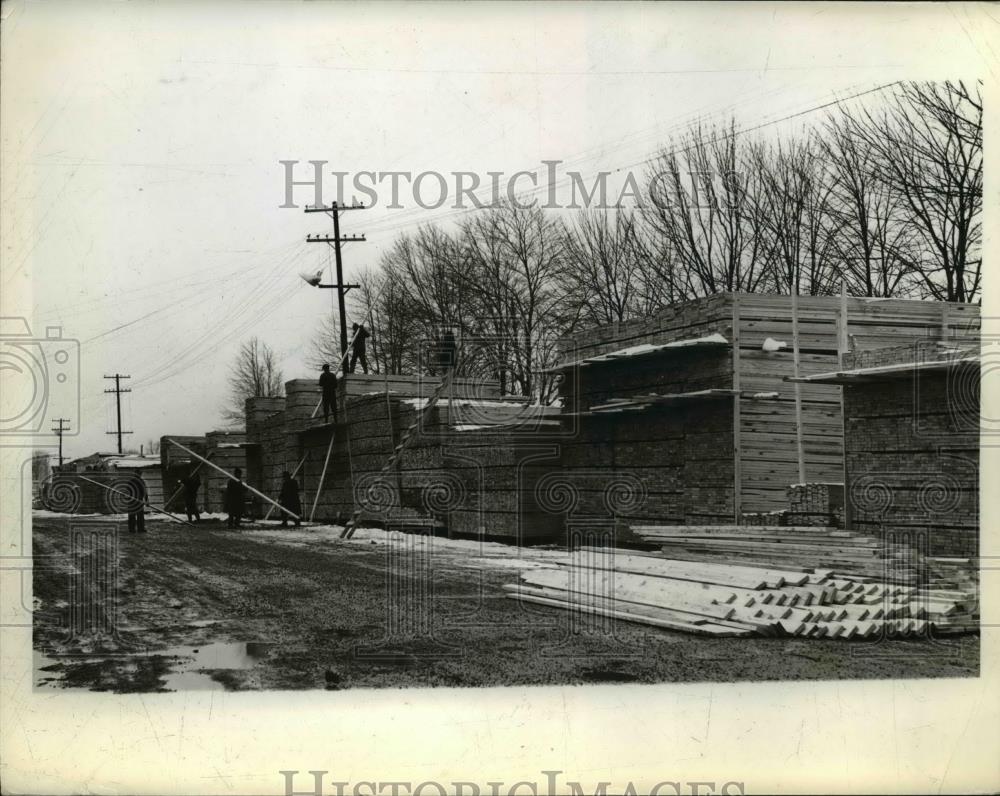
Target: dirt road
[(209, 607)]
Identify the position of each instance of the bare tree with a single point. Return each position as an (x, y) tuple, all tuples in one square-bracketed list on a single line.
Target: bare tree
[(699, 191), (324, 349), (516, 254), (928, 147), (792, 206), (602, 271), (874, 244), (254, 374)]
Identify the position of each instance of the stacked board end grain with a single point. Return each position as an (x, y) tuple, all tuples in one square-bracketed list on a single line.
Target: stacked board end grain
[(660, 464), (818, 504), (493, 481), (912, 455), (758, 518), (224, 449), (805, 547)]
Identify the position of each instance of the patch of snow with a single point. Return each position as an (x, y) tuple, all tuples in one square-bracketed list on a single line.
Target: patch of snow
[(133, 464), (645, 348), (470, 553), (712, 338), (420, 403), (47, 513), (770, 344), (764, 395)]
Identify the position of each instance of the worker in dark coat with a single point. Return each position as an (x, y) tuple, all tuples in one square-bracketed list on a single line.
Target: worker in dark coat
[(358, 347), (328, 384), (447, 352), (236, 495), (289, 498), (191, 486), (136, 502)]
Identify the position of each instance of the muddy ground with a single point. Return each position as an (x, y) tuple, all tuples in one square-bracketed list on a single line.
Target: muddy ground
[(209, 607)]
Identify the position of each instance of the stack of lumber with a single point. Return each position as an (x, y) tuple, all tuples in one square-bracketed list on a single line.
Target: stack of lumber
[(816, 504), (729, 600), (912, 447), (492, 482), (758, 518), (797, 547)]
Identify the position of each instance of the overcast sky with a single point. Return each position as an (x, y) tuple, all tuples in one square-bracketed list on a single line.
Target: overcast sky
[(141, 176)]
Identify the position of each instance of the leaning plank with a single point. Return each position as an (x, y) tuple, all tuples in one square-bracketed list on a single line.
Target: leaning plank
[(672, 568), (707, 628), (635, 603)]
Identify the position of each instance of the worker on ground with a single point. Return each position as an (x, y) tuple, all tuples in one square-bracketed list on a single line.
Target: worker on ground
[(191, 485), (236, 494), (136, 502), (288, 498), (328, 384), (358, 347)]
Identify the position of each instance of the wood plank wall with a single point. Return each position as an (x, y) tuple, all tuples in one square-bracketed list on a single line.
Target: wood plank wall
[(769, 461)]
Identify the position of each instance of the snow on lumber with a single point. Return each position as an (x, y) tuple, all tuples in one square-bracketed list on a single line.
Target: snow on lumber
[(644, 349)]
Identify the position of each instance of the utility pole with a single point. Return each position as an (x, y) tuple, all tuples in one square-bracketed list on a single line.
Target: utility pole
[(59, 432), (336, 241), (118, 405)]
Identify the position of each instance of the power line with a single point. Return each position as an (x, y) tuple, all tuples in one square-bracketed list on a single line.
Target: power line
[(734, 134), (62, 429), (337, 242)]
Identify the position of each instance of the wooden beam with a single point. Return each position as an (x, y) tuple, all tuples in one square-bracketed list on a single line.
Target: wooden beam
[(737, 441), (798, 389), (233, 477), (843, 337)]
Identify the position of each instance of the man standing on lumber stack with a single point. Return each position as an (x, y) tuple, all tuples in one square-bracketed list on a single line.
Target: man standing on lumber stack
[(236, 495), (358, 347), (447, 352), (328, 384), (288, 498)]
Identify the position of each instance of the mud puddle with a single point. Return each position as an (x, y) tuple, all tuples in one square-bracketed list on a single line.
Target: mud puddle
[(199, 668), (215, 666)]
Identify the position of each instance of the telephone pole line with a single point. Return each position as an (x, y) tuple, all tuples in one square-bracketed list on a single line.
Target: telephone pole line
[(59, 432), (336, 241), (118, 390)]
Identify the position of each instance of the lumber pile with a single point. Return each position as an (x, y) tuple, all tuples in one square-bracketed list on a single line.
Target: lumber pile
[(719, 599), (816, 504), (912, 458), (492, 484), (796, 547), (758, 518)]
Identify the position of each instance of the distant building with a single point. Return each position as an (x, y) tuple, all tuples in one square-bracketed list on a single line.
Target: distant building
[(87, 485)]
